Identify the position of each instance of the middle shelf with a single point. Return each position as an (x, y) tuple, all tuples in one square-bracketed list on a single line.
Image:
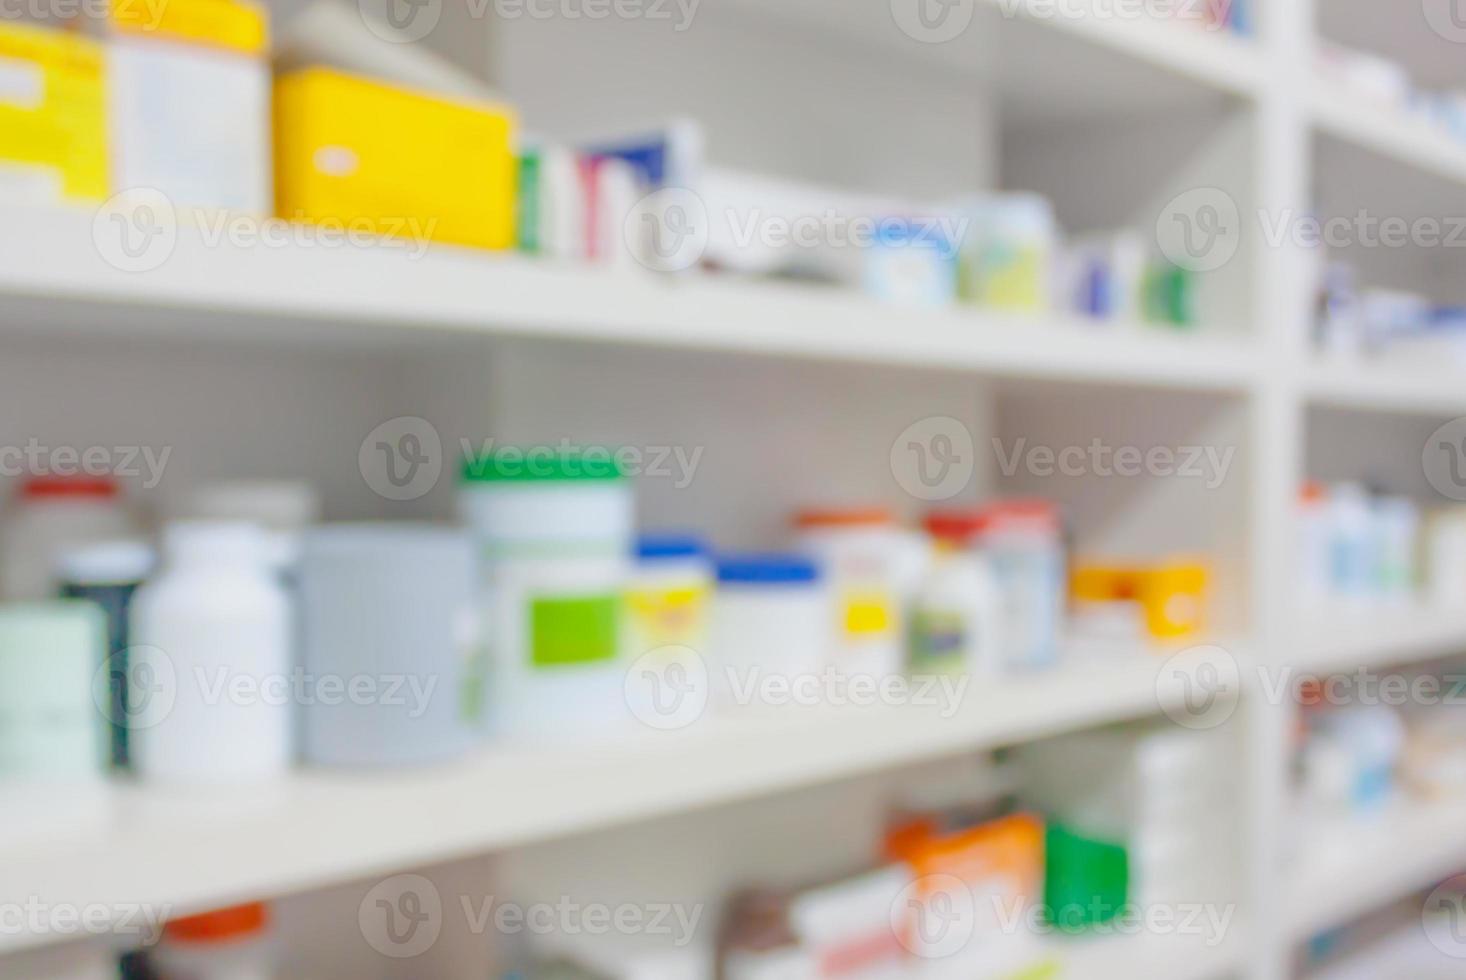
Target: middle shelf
[(156, 847)]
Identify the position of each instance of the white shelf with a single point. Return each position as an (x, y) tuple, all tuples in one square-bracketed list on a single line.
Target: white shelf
[(1068, 60), (1355, 866), (1217, 58), (1390, 133), (1386, 388), (1114, 958), (195, 851), (1347, 640), (54, 277)]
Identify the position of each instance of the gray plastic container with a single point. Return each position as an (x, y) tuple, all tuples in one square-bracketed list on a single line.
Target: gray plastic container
[(393, 669)]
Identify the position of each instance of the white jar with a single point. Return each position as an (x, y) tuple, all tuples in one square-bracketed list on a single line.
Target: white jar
[(955, 619), (228, 944), (210, 665), (771, 620), (670, 596), (554, 532), (49, 516), (1022, 541), (863, 554)]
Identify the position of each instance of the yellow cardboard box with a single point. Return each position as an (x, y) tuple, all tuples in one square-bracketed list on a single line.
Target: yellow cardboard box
[(53, 134), (236, 25), (385, 159)]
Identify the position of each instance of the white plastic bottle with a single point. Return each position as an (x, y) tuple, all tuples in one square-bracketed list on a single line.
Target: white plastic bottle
[(209, 678), (955, 621)]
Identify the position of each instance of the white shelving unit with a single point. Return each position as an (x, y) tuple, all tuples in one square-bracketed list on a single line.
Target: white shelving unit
[(162, 849), (291, 354)]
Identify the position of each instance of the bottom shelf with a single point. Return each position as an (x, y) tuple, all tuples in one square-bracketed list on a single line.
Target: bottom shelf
[(192, 850), (1112, 958)]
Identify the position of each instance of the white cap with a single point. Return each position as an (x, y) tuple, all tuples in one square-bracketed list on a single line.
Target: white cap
[(277, 505), (235, 541), (121, 562)]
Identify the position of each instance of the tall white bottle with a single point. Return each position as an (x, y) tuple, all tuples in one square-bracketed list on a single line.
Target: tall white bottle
[(210, 689)]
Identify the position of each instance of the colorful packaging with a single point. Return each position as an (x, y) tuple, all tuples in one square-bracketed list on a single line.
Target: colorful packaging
[(395, 162), (53, 134), (860, 549), (670, 597), (999, 865)]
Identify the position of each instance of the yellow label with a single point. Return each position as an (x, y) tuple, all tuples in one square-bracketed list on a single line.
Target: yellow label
[(867, 614), (668, 617), (51, 108), (229, 24)]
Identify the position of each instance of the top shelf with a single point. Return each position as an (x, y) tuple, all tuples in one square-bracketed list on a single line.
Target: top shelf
[(54, 279), (1070, 60)]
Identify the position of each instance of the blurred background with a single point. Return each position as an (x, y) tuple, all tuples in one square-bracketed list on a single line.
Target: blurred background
[(754, 489)]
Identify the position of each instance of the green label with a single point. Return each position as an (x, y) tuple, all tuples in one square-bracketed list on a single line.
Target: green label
[(567, 632), (938, 640)]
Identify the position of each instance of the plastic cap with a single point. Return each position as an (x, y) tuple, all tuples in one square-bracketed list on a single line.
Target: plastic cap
[(543, 463), (1021, 515), (220, 926), (214, 541), (767, 570), (120, 562), (278, 505), (73, 487), (670, 547), (844, 518)]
